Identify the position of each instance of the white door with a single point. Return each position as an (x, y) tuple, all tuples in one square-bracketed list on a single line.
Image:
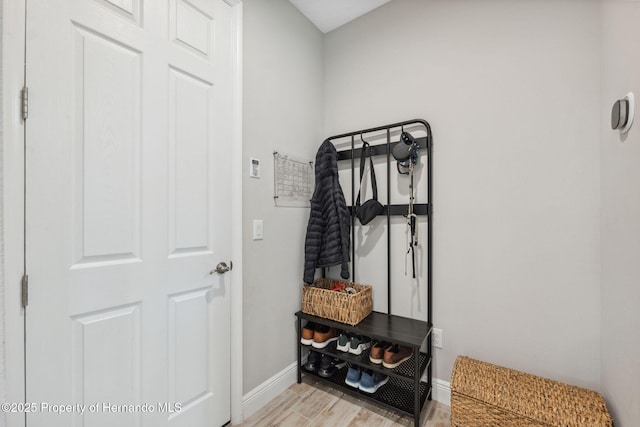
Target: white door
[(128, 211)]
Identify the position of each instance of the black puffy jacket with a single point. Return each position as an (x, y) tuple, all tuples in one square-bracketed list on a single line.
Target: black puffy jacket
[(327, 241)]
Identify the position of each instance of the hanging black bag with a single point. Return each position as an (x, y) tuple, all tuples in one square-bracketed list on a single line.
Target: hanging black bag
[(371, 208)]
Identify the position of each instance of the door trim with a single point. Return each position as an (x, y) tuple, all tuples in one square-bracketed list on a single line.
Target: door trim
[(13, 32), (236, 226), (12, 184)]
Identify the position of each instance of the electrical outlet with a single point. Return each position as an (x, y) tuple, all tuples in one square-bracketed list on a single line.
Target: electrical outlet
[(436, 336)]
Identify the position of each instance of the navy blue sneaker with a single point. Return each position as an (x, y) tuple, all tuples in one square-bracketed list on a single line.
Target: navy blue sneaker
[(370, 382), (353, 376)]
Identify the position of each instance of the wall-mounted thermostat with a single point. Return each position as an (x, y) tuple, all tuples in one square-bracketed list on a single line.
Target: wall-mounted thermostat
[(622, 113), (254, 168)]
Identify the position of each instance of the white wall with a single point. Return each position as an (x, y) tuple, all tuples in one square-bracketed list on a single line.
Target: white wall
[(512, 91), (620, 160), (516, 114), (282, 111)]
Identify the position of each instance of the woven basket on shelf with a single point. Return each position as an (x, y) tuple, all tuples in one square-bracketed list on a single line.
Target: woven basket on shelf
[(319, 300), (483, 394)]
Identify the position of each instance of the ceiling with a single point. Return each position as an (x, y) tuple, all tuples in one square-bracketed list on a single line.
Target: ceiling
[(328, 15)]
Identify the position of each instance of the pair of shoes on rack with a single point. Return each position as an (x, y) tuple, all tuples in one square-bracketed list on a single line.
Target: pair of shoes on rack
[(330, 365), (352, 343), (323, 364), (389, 355), (318, 336), (313, 361), (365, 379)]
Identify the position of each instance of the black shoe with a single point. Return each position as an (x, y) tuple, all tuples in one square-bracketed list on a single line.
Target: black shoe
[(330, 365), (313, 361)]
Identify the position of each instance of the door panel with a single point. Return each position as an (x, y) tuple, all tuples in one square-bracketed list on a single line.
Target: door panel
[(128, 210), (191, 26), (189, 379), (108, 87), (190, 183), (107, 363), (128, 9)]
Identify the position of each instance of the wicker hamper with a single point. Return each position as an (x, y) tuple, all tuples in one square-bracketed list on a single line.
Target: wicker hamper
[(483, 394), (319, 300)]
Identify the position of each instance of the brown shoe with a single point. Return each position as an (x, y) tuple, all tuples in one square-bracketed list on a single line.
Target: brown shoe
[(323, 336), (377, 352), (307, 333), (395, 355)]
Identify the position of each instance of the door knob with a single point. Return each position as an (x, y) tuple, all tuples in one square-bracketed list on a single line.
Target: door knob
[(221, 268)]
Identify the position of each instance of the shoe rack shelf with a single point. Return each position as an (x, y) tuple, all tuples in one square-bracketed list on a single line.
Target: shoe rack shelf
[(405, 391)]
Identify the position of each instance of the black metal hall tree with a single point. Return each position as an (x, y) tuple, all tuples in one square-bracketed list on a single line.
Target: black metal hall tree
[(405, 391)]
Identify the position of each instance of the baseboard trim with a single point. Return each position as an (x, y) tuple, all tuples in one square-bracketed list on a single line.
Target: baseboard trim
[(265, 392), (262, 394), (441, 391)]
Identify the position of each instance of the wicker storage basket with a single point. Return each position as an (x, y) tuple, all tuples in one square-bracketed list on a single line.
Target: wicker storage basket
[(483, 394), (319, 300)]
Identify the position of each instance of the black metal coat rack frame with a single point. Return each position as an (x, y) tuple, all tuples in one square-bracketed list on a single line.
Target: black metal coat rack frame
[(424, 143), (405, 390)]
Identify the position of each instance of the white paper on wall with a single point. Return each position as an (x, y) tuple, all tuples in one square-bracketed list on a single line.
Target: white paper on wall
[(293, 180)]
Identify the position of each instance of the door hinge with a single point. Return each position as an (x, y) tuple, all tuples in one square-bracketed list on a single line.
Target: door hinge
[(25, 291), (24, 96)]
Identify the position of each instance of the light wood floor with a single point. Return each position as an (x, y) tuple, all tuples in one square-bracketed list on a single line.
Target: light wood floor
[(315, 404)]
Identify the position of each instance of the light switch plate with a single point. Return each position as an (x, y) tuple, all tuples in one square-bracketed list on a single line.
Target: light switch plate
[(258, 229)]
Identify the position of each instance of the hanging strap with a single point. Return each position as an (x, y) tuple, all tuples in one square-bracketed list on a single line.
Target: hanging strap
[(366, 152)]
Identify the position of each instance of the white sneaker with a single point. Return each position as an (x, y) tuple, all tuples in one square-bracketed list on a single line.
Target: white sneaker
[(359, 344), (344, 342)]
